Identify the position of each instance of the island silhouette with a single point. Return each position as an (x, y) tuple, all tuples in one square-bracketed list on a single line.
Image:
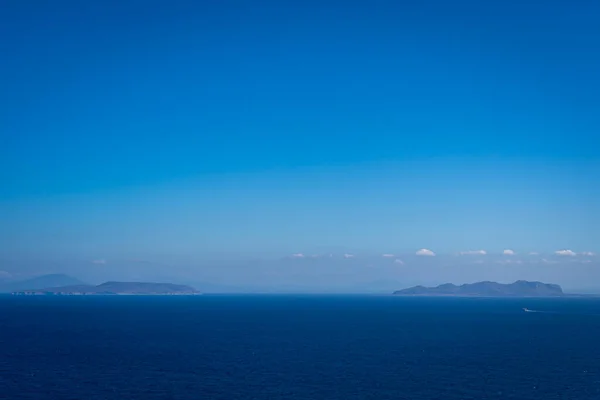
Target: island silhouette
[(519, 288), (115, 288)]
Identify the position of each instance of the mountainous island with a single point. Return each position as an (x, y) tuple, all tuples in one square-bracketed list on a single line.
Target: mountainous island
[(114, 288), (39, 282), (487, 289)]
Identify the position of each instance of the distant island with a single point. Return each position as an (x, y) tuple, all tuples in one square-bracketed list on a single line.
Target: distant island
[(39, 282), (487, 289), (114, 288)]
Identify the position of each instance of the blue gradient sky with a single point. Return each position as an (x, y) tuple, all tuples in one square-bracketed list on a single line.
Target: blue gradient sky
[(185, 129)]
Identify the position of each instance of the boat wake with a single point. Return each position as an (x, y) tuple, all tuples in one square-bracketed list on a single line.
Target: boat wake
[(541, 312), (527, 310)]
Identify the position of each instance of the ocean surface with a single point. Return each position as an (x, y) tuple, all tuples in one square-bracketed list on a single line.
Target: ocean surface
[(298, 347)]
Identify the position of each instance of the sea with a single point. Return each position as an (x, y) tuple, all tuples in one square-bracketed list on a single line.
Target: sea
[(297, 347)]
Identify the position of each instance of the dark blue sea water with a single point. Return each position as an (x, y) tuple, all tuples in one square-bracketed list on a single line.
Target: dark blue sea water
[(298, 347)]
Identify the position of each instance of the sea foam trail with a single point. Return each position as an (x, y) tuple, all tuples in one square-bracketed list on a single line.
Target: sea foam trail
[(527, 310)]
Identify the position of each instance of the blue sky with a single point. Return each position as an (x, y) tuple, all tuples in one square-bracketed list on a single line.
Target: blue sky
[(149, 129)]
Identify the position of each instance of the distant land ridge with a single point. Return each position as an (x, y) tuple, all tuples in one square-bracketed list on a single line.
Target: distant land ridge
[(39, 282), (115, 288), (487, 289)]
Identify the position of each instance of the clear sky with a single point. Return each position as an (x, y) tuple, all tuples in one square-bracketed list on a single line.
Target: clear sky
[(211, 133)]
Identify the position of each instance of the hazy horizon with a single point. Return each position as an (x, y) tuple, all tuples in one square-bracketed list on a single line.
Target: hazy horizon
[(332, 273)]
